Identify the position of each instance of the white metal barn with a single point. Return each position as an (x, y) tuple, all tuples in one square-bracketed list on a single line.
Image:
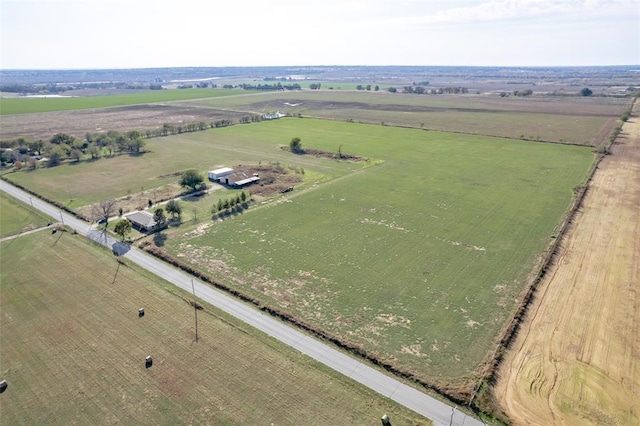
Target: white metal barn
[(216, 175)]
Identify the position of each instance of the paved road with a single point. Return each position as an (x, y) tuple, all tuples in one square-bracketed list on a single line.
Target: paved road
[(439, 412)]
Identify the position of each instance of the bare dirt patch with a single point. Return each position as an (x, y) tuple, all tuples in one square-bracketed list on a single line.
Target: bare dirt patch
[(80, 122), (576, 359), (274, 178)]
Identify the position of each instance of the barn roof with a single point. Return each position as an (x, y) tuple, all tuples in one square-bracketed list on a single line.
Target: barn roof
[(223, 170)]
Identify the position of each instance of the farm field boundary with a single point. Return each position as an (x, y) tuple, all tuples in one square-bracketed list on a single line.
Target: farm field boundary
[(581, 337)]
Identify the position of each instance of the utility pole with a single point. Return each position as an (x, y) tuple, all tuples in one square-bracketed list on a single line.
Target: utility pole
[(195, 307)]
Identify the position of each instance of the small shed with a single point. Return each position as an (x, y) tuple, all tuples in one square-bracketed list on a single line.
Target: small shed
[(239, 179), (142, 220), (218, 174)]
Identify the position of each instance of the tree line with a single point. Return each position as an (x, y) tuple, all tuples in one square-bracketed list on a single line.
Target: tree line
[(421, 90), (22, 152)]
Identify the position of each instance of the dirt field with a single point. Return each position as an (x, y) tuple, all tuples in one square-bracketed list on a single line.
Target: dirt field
[(576, 360), (78, 123)]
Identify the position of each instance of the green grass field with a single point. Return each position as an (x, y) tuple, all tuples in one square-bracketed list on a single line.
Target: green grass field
[(17, 217), (73, 351), (419, 259), (560, 119), (9, 106)]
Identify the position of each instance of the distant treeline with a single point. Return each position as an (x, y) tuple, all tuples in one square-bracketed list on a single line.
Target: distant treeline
[(277, 86), (59, 88), (420, 90)]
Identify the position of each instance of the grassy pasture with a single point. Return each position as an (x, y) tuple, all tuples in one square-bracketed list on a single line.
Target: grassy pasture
[(73, 352), (80, 184), (10, 106), (419, 259), (17, 217), (560, 119)]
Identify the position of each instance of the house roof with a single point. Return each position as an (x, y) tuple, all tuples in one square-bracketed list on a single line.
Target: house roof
[(142, 218)]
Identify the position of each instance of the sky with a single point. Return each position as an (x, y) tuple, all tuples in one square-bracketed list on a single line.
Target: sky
[(81, 34)]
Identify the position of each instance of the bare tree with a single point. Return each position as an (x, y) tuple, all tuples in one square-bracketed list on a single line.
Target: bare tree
[(103, 210)]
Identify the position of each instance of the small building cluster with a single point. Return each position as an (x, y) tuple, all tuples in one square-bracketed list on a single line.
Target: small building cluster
[(228, 176)]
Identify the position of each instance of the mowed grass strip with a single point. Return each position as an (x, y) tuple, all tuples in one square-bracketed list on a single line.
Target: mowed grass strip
[(10, 106), (17, 217), (419, 260), (73, 352)]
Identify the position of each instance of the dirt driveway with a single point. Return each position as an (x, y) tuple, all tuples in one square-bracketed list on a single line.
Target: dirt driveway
[(576, 360)]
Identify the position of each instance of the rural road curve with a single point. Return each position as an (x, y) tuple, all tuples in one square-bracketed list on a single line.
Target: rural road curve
[(439, 412)]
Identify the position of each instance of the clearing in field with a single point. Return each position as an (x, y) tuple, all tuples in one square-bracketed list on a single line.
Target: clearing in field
[(420, 260), (73, 351), (576, 360)]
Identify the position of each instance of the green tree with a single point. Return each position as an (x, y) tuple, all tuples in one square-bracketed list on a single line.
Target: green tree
[(75, 154), (135, 145), (191, 179), (122, 228), (62, 138), (134, 134), (55, 156), (174, 208), (586, 92), (94, 151), (159, 216), (295, 145)]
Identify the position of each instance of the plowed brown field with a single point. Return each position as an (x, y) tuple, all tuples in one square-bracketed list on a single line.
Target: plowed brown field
[(576, 360)]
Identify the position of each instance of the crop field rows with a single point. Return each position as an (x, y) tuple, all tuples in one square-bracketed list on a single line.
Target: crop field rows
[(73, 351)]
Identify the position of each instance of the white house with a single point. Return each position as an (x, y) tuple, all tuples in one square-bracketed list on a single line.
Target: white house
[(218, 174)]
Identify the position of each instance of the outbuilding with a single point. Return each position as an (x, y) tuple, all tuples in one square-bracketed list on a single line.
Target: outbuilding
[(218, 174), (239, 179)]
